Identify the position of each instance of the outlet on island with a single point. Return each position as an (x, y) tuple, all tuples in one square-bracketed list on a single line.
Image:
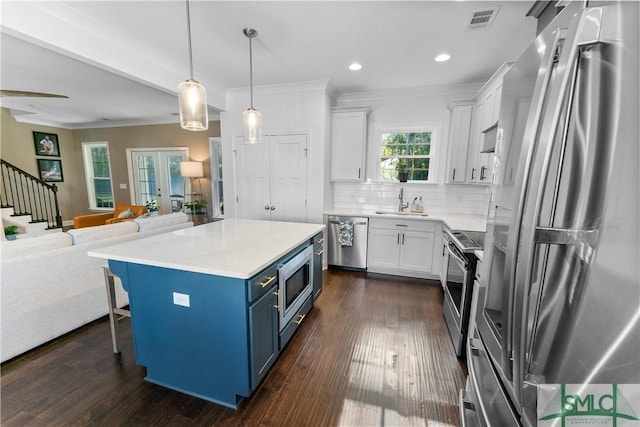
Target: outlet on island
[(181, 299)]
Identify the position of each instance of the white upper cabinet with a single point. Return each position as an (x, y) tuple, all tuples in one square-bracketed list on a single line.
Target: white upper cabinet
[(348, 144), (475, 156), (459, 132), (473, 175)]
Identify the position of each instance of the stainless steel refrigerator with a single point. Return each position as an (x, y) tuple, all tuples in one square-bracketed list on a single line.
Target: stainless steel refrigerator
[(559, 302)]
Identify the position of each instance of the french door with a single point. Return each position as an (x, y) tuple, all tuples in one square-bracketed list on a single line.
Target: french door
[(154, 174)]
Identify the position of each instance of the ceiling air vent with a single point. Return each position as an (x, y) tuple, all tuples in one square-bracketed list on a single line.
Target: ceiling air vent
[(482, 18)]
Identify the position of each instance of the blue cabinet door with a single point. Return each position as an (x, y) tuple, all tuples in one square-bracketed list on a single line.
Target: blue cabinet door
[(263, 321)]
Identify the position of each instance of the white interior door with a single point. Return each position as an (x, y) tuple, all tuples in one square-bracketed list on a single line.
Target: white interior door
[(271, 178), (288, 177), (155, 175), (252, 180)]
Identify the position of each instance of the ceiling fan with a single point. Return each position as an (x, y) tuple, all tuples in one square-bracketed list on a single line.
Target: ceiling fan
[(27, 94)]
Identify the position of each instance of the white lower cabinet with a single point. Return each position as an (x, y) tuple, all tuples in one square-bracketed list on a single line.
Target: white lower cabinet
[(402, 247), (384, 248)]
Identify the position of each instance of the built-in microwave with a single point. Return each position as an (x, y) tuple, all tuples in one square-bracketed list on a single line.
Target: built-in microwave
[(295, 277)]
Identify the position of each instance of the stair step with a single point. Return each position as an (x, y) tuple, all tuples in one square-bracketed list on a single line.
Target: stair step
[(37, 221)]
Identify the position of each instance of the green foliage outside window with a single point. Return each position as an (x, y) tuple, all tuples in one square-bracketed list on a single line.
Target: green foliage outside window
[(413, 149), (101, 177)]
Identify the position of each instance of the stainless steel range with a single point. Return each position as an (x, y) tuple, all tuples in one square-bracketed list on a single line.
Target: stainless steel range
[(457, 283)]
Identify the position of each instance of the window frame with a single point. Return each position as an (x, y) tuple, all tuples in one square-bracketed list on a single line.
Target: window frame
[(90, 177), (433, 128)]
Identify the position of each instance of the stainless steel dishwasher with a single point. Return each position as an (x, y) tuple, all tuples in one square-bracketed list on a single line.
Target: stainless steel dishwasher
[(349, 257)]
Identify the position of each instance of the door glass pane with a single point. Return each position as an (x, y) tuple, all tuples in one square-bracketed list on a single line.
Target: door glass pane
[(146, 179), (176, 182)]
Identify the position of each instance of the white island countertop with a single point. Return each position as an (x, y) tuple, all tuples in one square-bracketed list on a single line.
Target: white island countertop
[(238, 248), (454, 221)]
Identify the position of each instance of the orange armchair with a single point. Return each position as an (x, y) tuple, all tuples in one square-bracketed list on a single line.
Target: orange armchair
[(118, 215)]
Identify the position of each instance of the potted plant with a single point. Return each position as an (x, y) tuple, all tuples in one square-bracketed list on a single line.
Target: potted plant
[(401, 170), (195, 206), (152, 206), (11, 232)]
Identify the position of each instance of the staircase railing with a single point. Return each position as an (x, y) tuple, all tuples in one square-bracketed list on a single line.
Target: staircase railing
[(28, 195)]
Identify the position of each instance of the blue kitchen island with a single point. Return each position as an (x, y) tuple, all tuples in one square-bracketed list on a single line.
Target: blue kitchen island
[(207, 302)]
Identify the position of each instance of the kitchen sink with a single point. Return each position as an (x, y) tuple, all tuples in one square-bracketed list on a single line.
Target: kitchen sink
[(407, 213)]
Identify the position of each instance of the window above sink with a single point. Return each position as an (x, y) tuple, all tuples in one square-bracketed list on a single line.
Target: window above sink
[(411, 147)]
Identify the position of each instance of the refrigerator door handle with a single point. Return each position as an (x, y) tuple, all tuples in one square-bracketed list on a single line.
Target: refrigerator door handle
[(536, 127), (583, 240), (464, 405), (588, 35), (474, 351)]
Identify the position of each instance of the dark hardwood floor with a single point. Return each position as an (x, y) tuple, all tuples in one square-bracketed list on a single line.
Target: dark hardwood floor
[(374, 351)]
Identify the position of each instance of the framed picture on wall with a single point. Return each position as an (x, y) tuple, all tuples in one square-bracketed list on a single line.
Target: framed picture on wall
[(50, 170), (46, 144)]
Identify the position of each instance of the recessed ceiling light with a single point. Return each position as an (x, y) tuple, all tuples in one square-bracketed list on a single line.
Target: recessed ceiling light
[(443, 57), (355, 66)]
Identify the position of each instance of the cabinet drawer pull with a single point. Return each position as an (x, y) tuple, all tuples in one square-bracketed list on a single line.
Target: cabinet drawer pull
[(320, 240), (402, 225), (268, 282), (319, 252), (299, 321)]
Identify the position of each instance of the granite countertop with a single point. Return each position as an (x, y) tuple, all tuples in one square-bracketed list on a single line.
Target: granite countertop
[(237, 248), (454, 221)]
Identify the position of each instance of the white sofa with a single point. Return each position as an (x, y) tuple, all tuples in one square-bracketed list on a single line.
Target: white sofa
[(50, 286)]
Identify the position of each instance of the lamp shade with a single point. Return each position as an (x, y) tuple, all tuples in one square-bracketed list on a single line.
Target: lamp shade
[(191, 169), (192, 99), (252, 126)]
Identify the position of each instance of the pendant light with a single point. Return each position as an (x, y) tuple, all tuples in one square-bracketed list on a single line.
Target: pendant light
[(192, 96), (251, 118)]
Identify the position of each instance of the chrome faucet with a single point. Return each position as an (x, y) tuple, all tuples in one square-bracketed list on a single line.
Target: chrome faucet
[(402, 206)]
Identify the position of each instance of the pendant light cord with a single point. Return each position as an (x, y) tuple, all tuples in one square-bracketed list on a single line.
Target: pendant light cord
[(189, 41), (251, 70)]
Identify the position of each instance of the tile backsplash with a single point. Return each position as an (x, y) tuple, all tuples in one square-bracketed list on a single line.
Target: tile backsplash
[(436, 198)]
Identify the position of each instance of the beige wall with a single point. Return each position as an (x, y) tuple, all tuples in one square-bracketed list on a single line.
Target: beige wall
[(17, 148)]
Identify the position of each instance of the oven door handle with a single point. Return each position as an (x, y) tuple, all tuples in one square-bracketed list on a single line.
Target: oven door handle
[(455, 253)]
